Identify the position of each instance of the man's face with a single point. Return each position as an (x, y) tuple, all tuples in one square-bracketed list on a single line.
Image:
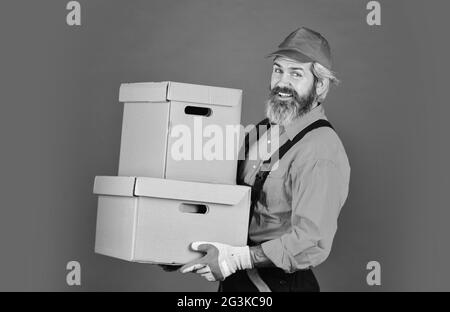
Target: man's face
[(292, 90)]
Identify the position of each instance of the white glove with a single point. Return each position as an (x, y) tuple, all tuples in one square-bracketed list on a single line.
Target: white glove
[(220, 260)]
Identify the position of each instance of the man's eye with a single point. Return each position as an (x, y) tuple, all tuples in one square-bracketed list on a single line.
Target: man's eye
[(277, 70), (297, 75)]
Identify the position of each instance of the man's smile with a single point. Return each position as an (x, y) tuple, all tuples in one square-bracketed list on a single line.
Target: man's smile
[(283, 95)]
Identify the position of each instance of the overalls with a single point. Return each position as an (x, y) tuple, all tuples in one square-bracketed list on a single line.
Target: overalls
[(271, 278)]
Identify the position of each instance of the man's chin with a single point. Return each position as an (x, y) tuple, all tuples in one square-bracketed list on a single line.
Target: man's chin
[(280, 112)]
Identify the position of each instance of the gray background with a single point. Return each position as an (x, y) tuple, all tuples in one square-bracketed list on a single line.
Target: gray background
[(61, 123)]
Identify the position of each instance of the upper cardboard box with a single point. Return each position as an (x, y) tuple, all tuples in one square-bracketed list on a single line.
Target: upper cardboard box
[(176, 91)]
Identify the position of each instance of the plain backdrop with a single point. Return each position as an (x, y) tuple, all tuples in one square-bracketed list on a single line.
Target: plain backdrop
[(60, 125)]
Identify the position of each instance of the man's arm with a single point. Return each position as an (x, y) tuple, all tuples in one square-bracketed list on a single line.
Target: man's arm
[(259, 258)]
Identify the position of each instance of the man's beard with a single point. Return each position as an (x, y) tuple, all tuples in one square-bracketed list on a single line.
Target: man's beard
[(282, 112)]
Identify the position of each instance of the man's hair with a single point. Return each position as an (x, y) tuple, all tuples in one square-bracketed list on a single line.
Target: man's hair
[(328, 77)]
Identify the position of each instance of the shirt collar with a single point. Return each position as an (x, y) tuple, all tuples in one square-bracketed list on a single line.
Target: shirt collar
[(300, 123)]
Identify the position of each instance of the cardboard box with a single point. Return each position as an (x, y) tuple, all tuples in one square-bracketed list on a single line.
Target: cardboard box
[(153, 109), (155, 220)]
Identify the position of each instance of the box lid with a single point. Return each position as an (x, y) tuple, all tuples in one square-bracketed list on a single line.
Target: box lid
[(224, 194), (190, 191), (176, 91), (119, 186)]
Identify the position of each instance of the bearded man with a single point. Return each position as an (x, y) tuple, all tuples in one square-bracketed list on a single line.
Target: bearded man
[(295, 207)]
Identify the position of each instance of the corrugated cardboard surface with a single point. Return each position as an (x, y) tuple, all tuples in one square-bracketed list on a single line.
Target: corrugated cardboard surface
[(151, 227), (185, 92), (223, 194), (143, 92), (143, 143), (148, 119), (177, 91), (118, 186)]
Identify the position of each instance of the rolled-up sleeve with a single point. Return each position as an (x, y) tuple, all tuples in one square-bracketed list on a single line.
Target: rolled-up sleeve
[(319, 189)]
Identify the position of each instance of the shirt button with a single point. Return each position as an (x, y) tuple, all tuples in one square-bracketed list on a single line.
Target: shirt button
[(268, 141), (254, 166)]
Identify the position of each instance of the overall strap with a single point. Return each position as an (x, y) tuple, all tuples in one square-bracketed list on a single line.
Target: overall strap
[(261, 176), (265, 122)]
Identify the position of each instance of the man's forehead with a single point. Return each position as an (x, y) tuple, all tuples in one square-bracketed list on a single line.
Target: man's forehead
[(287, 62)]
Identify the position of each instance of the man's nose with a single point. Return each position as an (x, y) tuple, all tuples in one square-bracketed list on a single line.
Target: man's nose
[(284, 82)]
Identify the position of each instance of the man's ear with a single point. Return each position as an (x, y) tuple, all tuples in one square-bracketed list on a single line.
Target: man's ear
[(322, 87)]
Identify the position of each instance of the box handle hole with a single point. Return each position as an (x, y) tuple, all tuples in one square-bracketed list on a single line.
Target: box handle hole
[(198, 111), (193, 208)]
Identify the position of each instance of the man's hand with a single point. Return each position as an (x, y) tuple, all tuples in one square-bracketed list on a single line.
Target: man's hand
[(220, 260)]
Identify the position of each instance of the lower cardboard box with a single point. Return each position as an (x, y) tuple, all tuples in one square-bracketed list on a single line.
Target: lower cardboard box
[(154, 220)]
